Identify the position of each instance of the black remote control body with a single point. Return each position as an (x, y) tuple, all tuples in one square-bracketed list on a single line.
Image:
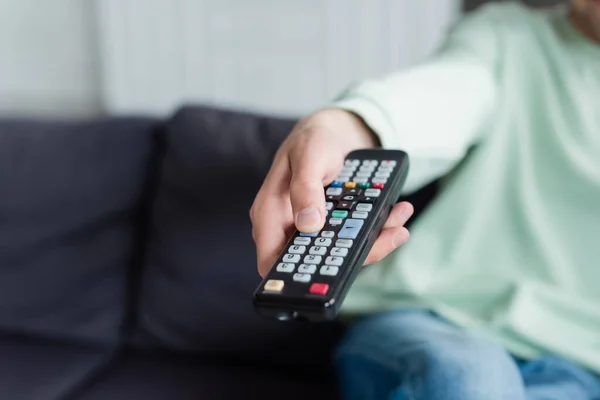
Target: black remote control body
[(314, 272)]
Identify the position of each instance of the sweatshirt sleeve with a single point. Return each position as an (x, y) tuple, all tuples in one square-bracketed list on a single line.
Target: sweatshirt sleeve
[(435, 110)]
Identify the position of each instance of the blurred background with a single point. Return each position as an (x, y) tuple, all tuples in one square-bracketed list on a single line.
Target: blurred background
[(81, 58)]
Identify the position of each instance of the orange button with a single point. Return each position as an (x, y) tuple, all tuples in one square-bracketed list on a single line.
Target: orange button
[(274, 285), (319, 288), (350, 184)]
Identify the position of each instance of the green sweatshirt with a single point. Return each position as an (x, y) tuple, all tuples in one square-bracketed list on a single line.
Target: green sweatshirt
[(511, 247)]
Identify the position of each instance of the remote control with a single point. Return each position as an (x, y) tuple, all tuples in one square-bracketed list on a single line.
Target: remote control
[(314, 272)]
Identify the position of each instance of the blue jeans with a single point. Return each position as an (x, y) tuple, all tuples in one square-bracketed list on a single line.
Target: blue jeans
[(415, 355)]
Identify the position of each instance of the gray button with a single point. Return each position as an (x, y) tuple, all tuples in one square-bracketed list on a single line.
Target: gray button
[(382, 174), (295, 249), (318, 250), (363, 174), (305, 241), (291, 258), (352, 162), (327, 234), (339, 252), (343, 178), (312, 259), (343, 243), (372, 192), (302, 277), (364, 207), (379, 180), (351, 228), (307, 269), (371, 163), (285, 268), (328, 205), (361, 180), (337, 261), (323, 242), (335, 221), (334, 191), (348, 169), (388, 163), (385, 169), (329, 270), (365, 168), (360, 214)]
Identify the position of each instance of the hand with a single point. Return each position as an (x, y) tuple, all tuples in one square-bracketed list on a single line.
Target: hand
[(292, 195)]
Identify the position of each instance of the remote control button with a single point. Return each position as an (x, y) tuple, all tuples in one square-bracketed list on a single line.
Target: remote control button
[(312, 259), (347, 198), (372, 192), (363, 174), (382, 174), (291, 258), (364, 207), (345, 205), (297, 249), (339, 214), (339, 252), (360, 214), (335, 221), (335, 261), (312, 234), (333, 199), (364, 185), (323, 242), (319, 288), (388, 163), (351, 228), (353, 192), (350, 184), (302, 241), (302, 277), (287, 268), (318, 250), (364, 199), (327, 234), (343, 243), (365, 169), (328, 205), (385, 169), (348, 169), (343, 178), (371, 163), (273, 285), (336, 184), (353, 163), (361, 180), (329, 270), (307, 269), (334, 191), (378, 180), (378, 186)]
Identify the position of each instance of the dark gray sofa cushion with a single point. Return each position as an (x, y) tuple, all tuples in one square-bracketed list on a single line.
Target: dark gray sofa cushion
[(200, 270), (70, 201)]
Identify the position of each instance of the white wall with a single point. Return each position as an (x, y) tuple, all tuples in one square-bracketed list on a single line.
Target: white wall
[(48, 58)]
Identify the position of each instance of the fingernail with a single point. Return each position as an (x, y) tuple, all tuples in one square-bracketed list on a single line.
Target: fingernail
[(308, 219)]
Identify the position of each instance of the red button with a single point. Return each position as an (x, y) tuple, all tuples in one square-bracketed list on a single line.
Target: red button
[(378, 185), (319, 288)]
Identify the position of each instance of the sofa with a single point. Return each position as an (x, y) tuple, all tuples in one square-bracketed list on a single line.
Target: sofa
[(127, 264)]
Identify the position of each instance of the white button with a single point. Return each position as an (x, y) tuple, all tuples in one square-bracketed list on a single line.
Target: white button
[(343, 178), (339, 252), (337, 261), (382, 174), (388, 163), (302, 277), (360, 214), (372, 192), (363, 174), (328, 234), (385, 169), (328, 205), (365, 168), (318, 250), (343, 243), (305, 241), (379, 180), (307, 269), (297, 249), (291, 258), (371, 163), (329, 270), (335, 221), (323, 242), (312, 259), (285, 268), (333, 191), (360, 180), (364, 207), (348, 169), (352, 162)]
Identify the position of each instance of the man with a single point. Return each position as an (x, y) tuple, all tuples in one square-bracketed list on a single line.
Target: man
[(497, 293)]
